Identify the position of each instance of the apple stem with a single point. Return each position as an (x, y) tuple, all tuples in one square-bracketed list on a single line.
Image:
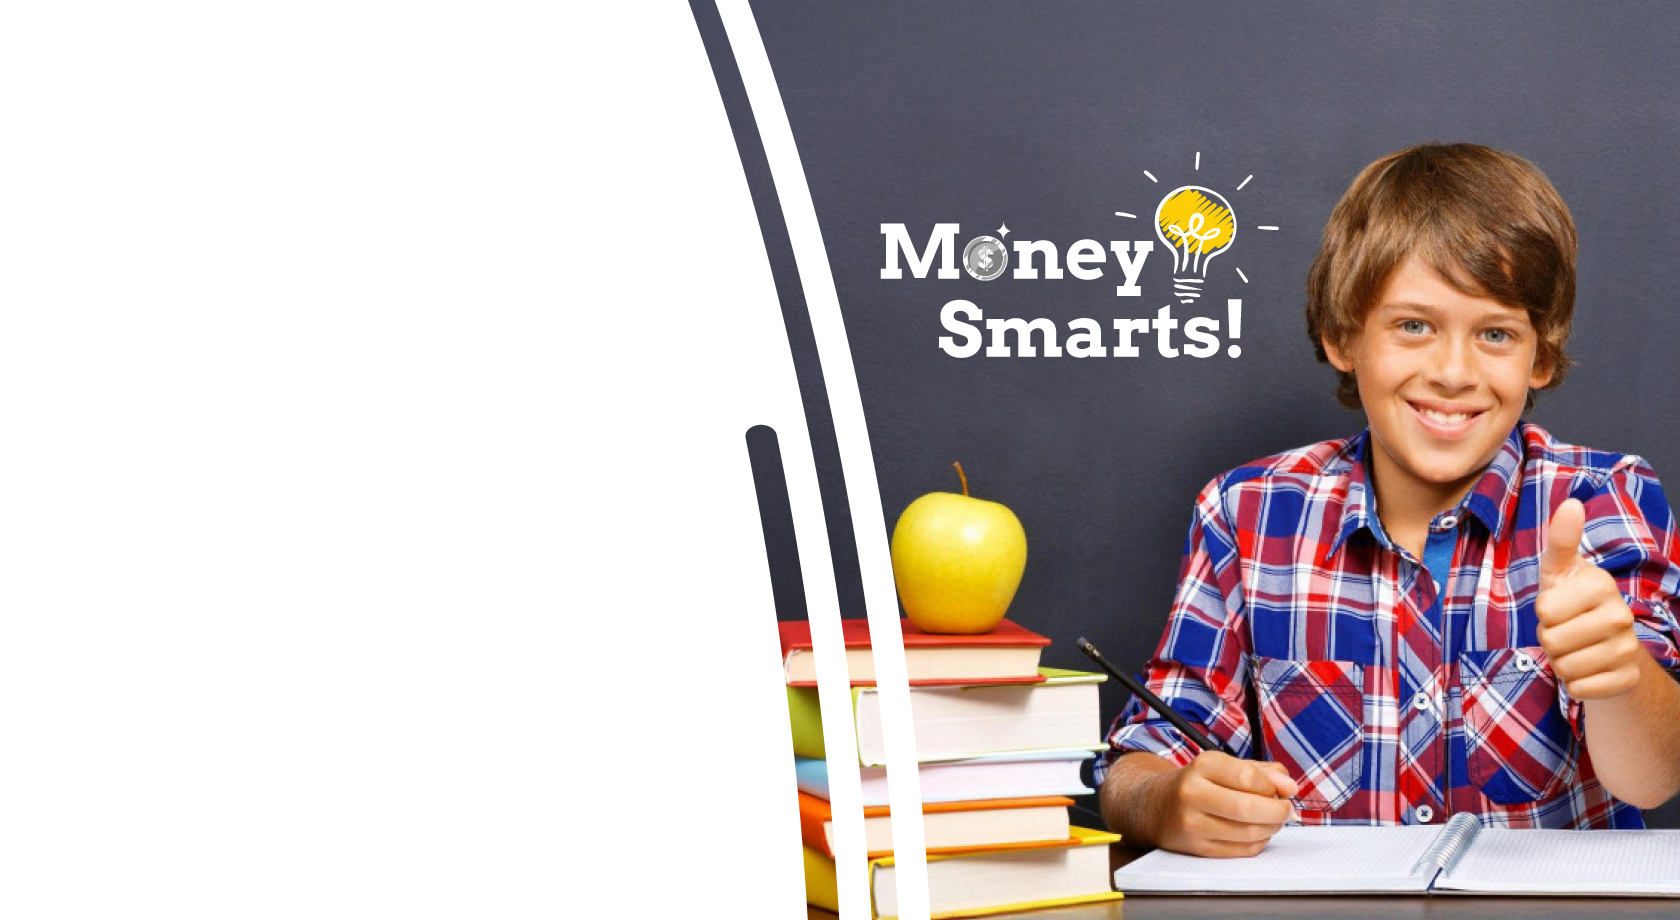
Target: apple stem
[(962, 476)]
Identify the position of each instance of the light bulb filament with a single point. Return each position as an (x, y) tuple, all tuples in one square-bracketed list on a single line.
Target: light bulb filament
[(1194, 233)]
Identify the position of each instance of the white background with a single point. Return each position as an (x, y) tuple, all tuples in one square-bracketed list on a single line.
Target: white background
[(360, 553)]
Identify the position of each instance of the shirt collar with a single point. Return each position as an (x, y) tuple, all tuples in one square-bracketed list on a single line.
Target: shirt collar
[(1492, 500), (1359, 504)]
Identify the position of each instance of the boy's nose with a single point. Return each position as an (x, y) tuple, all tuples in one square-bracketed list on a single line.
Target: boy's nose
[(1454, 365)]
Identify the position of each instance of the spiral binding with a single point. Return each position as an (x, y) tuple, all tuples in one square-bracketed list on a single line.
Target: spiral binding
[(1448, 848)]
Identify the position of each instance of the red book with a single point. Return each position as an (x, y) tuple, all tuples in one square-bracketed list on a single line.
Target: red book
[(1007, 654)]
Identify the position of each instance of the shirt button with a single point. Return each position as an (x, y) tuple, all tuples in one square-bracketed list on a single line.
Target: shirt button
[(1449, 522), (1420, 702), (1524, 662), (1424, 814)]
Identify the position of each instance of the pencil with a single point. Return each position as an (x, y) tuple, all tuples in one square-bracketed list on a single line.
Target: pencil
[(1156, 703)]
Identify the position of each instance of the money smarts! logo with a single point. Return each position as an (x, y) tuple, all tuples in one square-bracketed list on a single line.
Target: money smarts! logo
[(1195, 224)]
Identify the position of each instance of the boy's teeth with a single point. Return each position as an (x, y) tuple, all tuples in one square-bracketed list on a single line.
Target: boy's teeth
[(1444, 418)]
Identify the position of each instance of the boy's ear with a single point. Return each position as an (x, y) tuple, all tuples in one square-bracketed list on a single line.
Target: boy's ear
[(1542, 373), (1340, 362)]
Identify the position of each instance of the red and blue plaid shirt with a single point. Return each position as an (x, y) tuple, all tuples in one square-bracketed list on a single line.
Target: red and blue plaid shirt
[(1399, 689)]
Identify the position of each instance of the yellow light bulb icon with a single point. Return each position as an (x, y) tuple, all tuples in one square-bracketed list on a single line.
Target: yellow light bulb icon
[(1196, 224)]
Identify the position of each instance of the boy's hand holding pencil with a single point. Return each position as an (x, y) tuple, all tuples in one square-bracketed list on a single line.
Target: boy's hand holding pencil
[(1217, 805), (1586, 627), (1220, 805)]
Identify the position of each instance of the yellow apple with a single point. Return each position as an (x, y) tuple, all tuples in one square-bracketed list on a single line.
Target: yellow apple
[(957, 561)]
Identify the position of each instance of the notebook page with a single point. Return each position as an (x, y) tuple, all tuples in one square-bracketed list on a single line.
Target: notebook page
[(1568, 862), (1315, 859)]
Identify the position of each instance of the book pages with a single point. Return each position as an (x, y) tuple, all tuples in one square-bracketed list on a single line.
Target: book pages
[(1298, 859), (1511, 861)]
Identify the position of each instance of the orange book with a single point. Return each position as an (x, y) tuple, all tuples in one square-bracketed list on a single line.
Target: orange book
[(1007, 654), (948, 827)]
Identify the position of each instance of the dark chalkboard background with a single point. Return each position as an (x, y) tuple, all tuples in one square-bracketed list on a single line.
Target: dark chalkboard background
[(1045, 116)]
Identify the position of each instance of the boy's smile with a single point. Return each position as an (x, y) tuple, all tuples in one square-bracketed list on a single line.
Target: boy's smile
[(1443, 377)]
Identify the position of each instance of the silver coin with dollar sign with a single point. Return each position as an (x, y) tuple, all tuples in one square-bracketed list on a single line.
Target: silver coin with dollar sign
[(985, 258)]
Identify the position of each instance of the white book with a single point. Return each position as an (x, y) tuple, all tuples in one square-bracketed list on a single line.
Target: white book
[(954, 723), (1460, 857)]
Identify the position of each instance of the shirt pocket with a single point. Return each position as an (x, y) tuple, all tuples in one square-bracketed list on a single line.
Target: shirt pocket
[(1312, 721), (1518, 740)]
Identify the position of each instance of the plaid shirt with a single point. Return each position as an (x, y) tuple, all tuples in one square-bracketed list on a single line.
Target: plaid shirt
[(1399, 689)]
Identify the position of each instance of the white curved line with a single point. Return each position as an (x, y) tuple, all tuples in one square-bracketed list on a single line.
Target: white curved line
[(864, 497)]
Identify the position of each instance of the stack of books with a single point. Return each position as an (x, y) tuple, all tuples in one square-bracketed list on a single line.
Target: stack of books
[(1000, 742)]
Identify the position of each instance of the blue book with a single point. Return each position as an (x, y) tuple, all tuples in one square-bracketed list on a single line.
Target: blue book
[(996, 776)]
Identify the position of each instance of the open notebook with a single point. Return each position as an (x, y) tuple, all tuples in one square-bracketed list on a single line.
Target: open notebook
[(1460, 857)]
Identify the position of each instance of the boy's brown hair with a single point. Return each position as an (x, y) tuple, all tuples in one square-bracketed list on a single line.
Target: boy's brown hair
[(1490, 223)]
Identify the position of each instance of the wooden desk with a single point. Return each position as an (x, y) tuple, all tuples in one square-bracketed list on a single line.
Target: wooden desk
[(1393, 907)]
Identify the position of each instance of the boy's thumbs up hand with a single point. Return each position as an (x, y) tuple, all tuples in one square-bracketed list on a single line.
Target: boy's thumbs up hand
[(1563, 543), (1586, 627)]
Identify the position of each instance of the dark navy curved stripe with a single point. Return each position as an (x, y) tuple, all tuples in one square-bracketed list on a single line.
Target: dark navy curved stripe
[(802, 345)]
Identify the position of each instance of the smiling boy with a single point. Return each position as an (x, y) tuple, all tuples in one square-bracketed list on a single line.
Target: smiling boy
[(1449, 612)]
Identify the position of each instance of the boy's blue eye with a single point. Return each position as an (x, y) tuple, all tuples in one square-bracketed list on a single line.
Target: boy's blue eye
[(1414, 327), (1497, 336)]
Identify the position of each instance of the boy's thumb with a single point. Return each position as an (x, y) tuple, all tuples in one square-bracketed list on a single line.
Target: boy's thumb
[(1282, 781), (1563, 542)]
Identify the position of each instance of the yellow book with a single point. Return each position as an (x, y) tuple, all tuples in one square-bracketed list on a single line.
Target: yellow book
[(993, 881), (821, 890)]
